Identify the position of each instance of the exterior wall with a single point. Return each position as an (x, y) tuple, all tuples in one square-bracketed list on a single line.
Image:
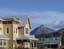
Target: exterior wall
[(14, 44), (4, 44), (1, 28), (12, 35), (21, 30), (28, 27), (10, 28), (15, 31)]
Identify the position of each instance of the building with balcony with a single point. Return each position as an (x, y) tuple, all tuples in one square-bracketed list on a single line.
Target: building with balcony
[(16, 32)]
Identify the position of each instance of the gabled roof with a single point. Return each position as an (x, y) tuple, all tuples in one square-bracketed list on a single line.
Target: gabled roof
[(10, 19), (23, 20)]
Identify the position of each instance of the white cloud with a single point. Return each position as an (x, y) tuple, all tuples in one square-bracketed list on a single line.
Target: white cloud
[(37, 17)]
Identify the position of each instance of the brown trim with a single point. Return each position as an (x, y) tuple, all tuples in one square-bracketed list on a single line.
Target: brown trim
[(20, 27), (1, 22), (10, 22), (21, 30), (7, 22), (15, 22)]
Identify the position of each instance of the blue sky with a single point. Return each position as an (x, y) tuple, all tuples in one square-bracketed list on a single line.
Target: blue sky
[(48, 12)]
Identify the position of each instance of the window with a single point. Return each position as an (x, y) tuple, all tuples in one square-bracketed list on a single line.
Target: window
[(27, 30), (0, 28), (0, 42), (7, 30), (4, 42), (16, 30)]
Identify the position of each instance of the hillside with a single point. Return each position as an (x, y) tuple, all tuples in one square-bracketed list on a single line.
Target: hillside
[(41, 30)]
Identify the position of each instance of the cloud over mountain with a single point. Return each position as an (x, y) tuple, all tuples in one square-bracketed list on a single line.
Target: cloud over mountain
[(48, 18)]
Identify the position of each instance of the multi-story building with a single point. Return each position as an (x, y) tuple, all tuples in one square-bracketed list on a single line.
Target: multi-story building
[(62, 37), (16, 32), (50, 40)]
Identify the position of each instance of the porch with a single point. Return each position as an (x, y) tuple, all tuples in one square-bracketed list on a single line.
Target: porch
[(26, 42)]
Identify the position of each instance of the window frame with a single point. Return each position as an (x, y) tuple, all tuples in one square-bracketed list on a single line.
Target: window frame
[(2, 43), (26, 30), (8, 29)]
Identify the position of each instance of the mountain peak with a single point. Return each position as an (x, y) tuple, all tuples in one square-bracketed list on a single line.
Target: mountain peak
[(41, 29)]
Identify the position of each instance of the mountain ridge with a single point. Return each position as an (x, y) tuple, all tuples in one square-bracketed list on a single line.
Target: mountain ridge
[(41, 29)]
